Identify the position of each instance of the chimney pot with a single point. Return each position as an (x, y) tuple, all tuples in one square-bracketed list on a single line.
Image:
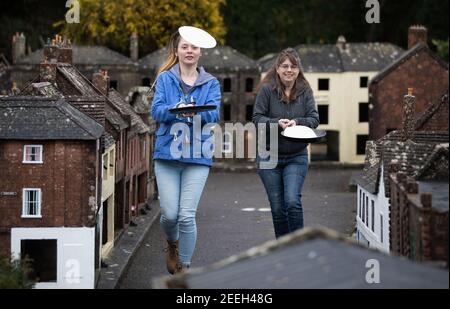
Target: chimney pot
[(101, 81), (134, 47), (417, 34), (18, 47)]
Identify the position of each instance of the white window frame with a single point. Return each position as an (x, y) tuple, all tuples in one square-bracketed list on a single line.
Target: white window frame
[(40, 147), (25, 203)]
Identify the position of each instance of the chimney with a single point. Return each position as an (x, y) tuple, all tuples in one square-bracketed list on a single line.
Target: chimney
[(18, 47), (341, 42), (101, 81), (427, 200), (417, 34), (134, 47), (47, 70), (50, 51), (412, 187), (65, 54), (409, 109), (59, 49)]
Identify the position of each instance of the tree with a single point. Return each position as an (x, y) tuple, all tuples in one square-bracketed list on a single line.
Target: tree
[(111, 22), (442, 48)]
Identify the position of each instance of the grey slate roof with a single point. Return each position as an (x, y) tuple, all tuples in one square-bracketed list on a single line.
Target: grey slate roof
[(404, 57), (45, 119), (45, 89), (308, 259), (412, 156), (221, 58), (84, 55), (330, 58)]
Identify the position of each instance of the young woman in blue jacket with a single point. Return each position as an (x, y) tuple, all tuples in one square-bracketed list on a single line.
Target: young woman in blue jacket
[(181, 176)]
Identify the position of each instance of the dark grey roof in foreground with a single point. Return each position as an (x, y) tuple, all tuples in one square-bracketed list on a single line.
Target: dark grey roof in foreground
[(45, 119), (331, 58), (221, 58), (312, 258), (84, 55)]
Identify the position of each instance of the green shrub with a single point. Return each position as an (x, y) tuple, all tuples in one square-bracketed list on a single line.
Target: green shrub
[(14, 274)]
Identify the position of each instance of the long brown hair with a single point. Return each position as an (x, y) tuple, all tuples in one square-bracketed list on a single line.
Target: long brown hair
[(172, 47), (273, 79)]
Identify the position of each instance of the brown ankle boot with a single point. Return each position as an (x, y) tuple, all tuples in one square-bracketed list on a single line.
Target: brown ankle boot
[(172, 256)]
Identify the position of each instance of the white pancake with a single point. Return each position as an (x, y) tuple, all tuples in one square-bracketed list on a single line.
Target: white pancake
[(299, 132)]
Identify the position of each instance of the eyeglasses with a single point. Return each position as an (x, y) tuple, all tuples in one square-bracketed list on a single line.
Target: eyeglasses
[(287, 66)]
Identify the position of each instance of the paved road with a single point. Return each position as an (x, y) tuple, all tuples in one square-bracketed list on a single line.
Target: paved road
[(234, 216)]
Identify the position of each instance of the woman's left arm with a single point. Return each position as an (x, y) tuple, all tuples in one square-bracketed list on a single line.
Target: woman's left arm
[(311, 118), (214, 97)]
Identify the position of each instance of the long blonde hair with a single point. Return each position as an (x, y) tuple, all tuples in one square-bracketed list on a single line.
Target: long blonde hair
[(172, 58), (273, 78)]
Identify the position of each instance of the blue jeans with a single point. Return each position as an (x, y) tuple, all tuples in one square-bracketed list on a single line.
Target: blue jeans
[(283, 185), (180, 186)]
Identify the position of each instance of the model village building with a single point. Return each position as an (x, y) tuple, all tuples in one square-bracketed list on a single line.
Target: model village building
[(403, 192), (418, 68), (123, 181), (50, 193)]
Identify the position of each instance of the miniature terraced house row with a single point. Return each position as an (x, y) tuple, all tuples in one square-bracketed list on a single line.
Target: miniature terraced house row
[(50, 193), (406, 162), (339, 75), (127, 167)]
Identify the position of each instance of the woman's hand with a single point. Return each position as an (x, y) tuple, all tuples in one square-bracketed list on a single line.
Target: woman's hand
[(186, 115), (285, 123)]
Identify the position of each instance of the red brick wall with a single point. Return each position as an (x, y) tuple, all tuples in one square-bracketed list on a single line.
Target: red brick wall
[(439, 120), (421, 72), (66, 179)]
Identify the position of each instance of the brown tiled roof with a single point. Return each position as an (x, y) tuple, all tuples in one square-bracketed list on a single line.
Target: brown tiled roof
[(77, 80), (92, 106), (137, 124)]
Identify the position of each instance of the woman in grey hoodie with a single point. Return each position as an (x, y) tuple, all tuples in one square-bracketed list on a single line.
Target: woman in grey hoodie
[(285, 98)]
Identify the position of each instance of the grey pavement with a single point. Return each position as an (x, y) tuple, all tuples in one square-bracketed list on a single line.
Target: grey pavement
[(234, 216), (126, 246)]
